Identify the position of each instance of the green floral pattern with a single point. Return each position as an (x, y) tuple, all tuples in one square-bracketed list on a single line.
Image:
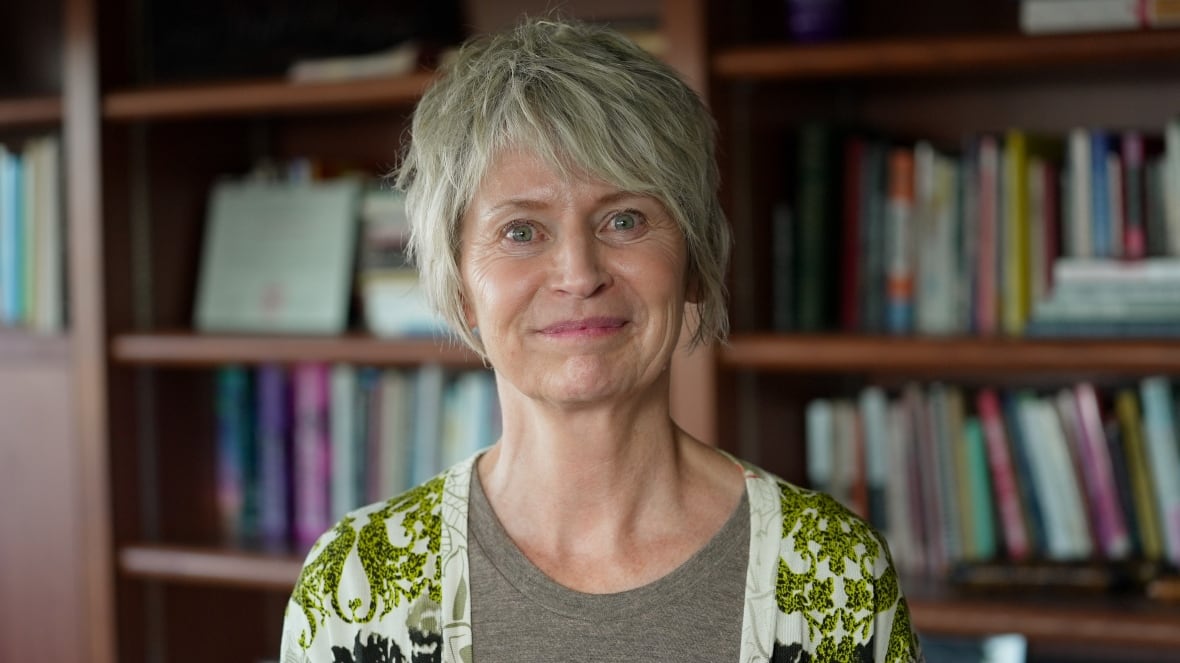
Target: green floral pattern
[(820, 586)]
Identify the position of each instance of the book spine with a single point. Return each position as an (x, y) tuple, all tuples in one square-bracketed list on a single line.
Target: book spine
[(1014, 233), (345, 492), (232, 384), (1098, 472), (1078, 231), (851, 263), (312, 454), (1171, 185), (899, 294), (979, 482), (1003, 474), (274, 449), (1160, 437), (1139, 475), (987, 275), (818, 170), (1134, 195)]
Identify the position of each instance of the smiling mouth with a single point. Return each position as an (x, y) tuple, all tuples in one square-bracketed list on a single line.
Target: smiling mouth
[(585, 327)]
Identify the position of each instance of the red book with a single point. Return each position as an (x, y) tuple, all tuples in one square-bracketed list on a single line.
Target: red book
[(1003, 475), (851, 260)]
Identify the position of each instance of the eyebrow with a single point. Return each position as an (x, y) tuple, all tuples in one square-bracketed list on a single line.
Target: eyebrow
[(525, 203)]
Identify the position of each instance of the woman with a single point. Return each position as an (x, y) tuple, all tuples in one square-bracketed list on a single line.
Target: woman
[(562, 191)]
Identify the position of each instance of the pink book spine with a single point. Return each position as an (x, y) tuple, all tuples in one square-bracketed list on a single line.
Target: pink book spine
[(312, 453), (1098, 472), (987, 275), (1003, 475)]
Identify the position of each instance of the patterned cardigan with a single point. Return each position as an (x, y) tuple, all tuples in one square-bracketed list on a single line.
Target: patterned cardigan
[(389, 583)]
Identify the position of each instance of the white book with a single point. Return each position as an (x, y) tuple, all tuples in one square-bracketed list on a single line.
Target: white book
[(346, 491), (820, 433), (902, 537), (1048, 16), (278, 257), (427, 416), (49, 254), (392, 456), (873, 410), (1079, 223), (1067, 490)]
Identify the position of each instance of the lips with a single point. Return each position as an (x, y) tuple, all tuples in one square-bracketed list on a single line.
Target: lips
[(600, 325)]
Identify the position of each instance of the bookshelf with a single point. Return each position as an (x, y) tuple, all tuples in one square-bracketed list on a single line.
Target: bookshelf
[(939, 74), (137, 528)]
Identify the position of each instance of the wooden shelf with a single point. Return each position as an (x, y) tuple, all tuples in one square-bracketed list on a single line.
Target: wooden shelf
[(195, 350), (960, 56), (1099, 621), (34, 111), (262, 97), (17, 346), (876, 354), (210, 566)]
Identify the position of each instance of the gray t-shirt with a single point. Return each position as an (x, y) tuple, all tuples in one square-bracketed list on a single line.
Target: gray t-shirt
[(520, 615)]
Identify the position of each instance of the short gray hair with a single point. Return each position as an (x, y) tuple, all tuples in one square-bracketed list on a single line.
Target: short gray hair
[(582, 97)]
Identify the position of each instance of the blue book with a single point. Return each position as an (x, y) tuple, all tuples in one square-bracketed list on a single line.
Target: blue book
[(11, 238), (1025, 478), (272, 395), (1100, 195)]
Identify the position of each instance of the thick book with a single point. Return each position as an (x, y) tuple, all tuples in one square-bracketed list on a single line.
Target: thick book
[(278, 257)]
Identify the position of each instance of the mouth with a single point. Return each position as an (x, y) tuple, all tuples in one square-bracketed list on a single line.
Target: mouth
[(601, 326)]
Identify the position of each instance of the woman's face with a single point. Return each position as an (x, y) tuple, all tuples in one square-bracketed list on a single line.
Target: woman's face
[(576, 287)]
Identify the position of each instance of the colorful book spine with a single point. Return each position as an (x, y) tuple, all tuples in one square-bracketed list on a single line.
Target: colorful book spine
[(346, 493), (899, 295), (312, 455), (1134, 195), (983, 533), (1003, 474), (987, 276), (1139, 475), (234, 447), (1098, 474), (274, 449), (1159, 427), (1014, 298)]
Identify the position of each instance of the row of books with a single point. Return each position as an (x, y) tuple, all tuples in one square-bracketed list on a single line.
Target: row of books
[(290, 246), (952, 476), (1048, 16), (888, 236), (32, 239), (298, 447)]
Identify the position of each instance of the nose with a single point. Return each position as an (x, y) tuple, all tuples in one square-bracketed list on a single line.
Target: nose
[(579, 268)]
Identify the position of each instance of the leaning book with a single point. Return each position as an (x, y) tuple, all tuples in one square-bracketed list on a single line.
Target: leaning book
[(278, 257)]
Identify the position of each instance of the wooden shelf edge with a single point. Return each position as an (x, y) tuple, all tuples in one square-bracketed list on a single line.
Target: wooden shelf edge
[(979, 54), (261, 97), (883, 354), (1075, 625), (209, 566), (197, 350), (32, 111)]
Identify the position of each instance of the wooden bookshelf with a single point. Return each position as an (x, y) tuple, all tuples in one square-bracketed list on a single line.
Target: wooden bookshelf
[(836, 353), (222, 567), (183, 349), (1090, 620), (262, 97), (30, 112), (969, 55)]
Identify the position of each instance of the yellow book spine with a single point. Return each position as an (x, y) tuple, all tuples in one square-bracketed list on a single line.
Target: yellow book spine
[(1127, 408)]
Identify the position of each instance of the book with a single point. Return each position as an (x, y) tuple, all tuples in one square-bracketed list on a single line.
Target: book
[(312, 456), (1139, 475), (236, 478), (989, 201), (1098, 474), (873, 410), (978, 480), (899, 260), (903, 530), (278, 257), (816, 226), (936, 225), (820, 426), (1005, 486), (1159, 436), (1054, 16), (273, 421), (346, 492)]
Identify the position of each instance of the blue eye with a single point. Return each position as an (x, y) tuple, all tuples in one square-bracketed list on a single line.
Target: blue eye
[(520, 233), (624, 221)]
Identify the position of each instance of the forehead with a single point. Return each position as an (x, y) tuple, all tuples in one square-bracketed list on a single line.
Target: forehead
[(523, 178)]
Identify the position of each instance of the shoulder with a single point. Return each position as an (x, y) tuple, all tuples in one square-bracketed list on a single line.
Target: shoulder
[(378, 561)]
